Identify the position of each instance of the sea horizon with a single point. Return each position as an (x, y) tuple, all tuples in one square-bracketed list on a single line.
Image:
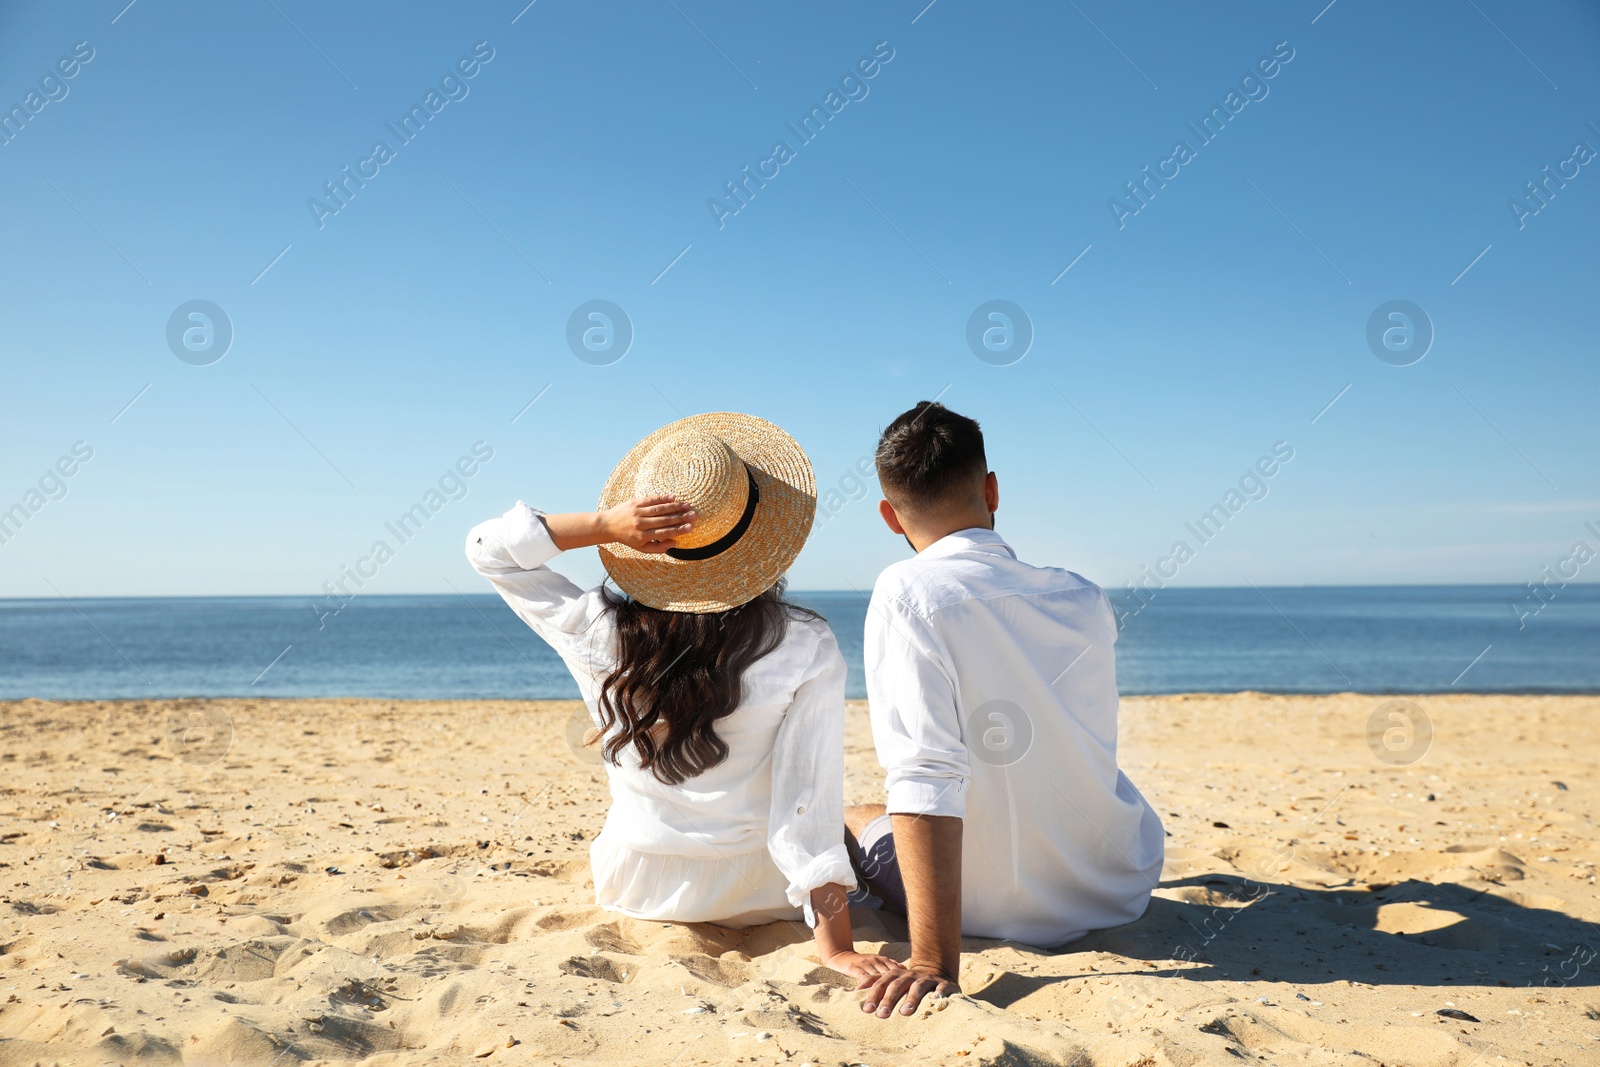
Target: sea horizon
[(796, 592), (1310, 639)]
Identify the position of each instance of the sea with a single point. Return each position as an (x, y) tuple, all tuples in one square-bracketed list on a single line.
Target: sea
[(1389, 639)]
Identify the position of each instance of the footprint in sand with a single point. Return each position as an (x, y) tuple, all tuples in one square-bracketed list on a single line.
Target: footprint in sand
[(725, 972), (609, 938), (596, 966)]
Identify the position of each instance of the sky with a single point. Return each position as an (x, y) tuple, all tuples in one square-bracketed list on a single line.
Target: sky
[(1156, 349)]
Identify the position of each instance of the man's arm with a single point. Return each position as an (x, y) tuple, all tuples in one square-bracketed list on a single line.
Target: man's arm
[(916, 726), (928, 848)]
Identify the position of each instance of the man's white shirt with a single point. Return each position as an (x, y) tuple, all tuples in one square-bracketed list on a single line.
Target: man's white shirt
[(993, 694)]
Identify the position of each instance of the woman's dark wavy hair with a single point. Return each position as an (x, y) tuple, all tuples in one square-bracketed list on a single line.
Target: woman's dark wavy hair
[(678, 673)]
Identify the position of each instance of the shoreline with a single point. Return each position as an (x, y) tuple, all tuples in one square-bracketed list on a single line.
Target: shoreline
[(404, 881)]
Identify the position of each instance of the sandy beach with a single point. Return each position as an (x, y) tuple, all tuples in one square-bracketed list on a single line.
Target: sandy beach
[(321, 881)]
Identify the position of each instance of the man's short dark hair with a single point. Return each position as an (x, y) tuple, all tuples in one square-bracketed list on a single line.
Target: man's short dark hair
[(928, 455)]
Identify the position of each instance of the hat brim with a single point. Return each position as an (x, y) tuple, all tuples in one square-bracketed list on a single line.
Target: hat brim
[(778, 529)]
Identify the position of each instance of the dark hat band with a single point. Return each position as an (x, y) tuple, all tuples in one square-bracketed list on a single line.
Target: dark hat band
[(729, 539)]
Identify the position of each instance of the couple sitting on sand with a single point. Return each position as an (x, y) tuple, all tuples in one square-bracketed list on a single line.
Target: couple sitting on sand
[(719, 706)]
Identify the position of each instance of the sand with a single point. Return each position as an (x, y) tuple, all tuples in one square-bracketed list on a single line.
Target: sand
[(282, 882)]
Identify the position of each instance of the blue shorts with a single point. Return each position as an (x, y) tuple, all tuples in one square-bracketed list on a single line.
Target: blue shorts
[(878, 868)]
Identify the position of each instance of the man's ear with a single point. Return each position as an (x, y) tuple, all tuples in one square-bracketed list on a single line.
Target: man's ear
[(890, 519), (991, 492)]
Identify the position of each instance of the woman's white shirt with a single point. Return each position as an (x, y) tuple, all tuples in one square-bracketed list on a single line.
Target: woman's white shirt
[(744, 842)]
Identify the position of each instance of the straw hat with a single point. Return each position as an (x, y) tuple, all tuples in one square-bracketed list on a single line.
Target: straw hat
[(752, 487)]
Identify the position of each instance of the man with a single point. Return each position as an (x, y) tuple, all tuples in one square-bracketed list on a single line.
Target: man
[(992, 686)]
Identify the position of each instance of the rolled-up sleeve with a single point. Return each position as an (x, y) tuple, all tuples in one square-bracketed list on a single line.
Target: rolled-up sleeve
[(806, 822), (916, 722)]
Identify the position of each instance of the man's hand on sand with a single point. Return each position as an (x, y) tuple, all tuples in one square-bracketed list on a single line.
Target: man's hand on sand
[(648, 523), (911, 984)]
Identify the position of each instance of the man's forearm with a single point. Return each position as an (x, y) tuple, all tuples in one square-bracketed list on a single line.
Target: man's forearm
[(929, 850)]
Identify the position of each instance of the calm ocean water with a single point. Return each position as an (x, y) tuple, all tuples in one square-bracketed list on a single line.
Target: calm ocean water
[(1300, 640)]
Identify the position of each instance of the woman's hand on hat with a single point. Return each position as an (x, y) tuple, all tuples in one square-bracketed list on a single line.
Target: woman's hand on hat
[(648, 523)]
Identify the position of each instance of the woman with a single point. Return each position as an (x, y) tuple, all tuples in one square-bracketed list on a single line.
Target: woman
[(719, 706)]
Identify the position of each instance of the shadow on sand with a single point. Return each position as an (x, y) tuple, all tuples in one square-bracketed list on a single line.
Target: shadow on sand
[(1229, 928)]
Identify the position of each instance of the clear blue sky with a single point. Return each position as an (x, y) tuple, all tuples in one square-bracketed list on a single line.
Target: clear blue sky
[(578, 164)]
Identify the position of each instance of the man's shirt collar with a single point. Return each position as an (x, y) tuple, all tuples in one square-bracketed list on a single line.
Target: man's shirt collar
[(972, 539)]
